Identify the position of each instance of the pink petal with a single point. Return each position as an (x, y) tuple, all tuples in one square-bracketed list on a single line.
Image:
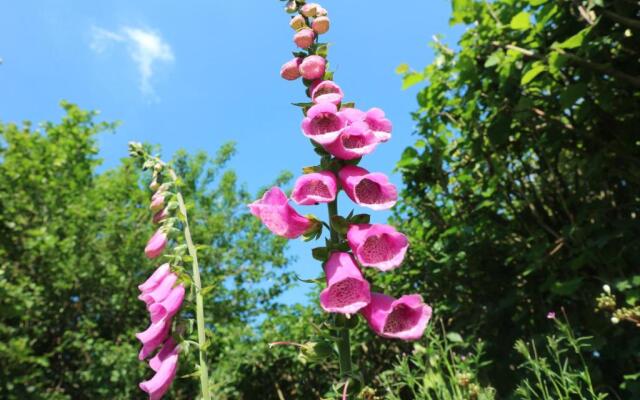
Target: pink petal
[(314, 188), (377, 245), (347, 291)]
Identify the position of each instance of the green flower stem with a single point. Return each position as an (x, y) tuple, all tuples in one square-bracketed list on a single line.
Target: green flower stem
[(204, 372), (344, 342)]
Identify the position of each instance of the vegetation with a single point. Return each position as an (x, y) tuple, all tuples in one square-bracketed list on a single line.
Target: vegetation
[(521, 199)]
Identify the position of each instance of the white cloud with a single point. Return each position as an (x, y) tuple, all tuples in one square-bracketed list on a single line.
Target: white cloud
[(145, 47)]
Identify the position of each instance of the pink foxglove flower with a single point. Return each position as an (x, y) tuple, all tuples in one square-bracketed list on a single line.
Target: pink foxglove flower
[(312, 67), (309, 9), (304, 38), (379, 125), (320, 25), (323, 123), (156, 245), (160, 216), (291, 69), (157, 202), (274, 211), (405, 318), (297, 22), (154, 280), (367, 189), (161, 291), (168, 307), (153, 337), (347, 291), (377, 245), (352, 115), (161, 381), (354, 141), (326, 91), (314, 188), (167, 349)]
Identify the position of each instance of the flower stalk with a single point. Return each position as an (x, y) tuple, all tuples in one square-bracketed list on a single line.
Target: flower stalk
[(162, 298)]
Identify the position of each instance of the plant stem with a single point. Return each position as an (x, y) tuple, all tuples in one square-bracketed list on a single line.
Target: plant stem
[(344, 343), (204, 373), (344, 349)]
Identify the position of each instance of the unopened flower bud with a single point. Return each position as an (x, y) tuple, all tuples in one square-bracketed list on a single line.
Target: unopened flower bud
[(297, 22), (615, 320), (313, 67), (154, 185), (320, 25), (320, 12), (291, 7), (607, 289), (291, 69), (304, 38), (309, 10)]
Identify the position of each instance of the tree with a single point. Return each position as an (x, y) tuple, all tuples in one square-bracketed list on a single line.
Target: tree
[(71, 257), (522, 190)]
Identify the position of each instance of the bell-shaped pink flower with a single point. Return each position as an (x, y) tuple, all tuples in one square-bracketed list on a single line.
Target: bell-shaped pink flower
[(323, 123), (276, 213), (159, 384), (153, 337), (156, 277), (377, 245), (168, 307), (304, 38), (291, 69), (309, 9), (326, 91), (379, 125), (368, 189), (161, 291), (354, 141), (352, 115), (160, 216), (168, 348), (297, 22), (314, 188), (405, 318), (320, 25), (347, 291), (155, 245), (313, 67), (157, 202)]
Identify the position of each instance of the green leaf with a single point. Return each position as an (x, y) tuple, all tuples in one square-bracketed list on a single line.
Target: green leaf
[(454, 337), (494, 58), (566, 288), (521, 21), (574, 41), (571, 94), (411, 79), (532, 73), (320, 253), (462, 11), (535, 3)]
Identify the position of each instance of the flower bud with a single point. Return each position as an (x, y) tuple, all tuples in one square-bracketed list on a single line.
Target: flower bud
[(310, 9), (607, 289), (615, 320), (320, 25), (297, 22), (154, 185), (320, 12), (291, 69), (291, 7), (304, 38), (313, 67)]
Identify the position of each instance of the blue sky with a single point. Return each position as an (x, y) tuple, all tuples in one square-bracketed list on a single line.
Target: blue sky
[(197, 74)]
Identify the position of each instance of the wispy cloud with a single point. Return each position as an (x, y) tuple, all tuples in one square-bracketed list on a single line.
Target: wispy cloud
[(145, 47)]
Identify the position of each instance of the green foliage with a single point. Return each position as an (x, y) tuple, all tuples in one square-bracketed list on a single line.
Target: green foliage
[(559, 373), (71, 257), (441, 366), (522, 189)]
